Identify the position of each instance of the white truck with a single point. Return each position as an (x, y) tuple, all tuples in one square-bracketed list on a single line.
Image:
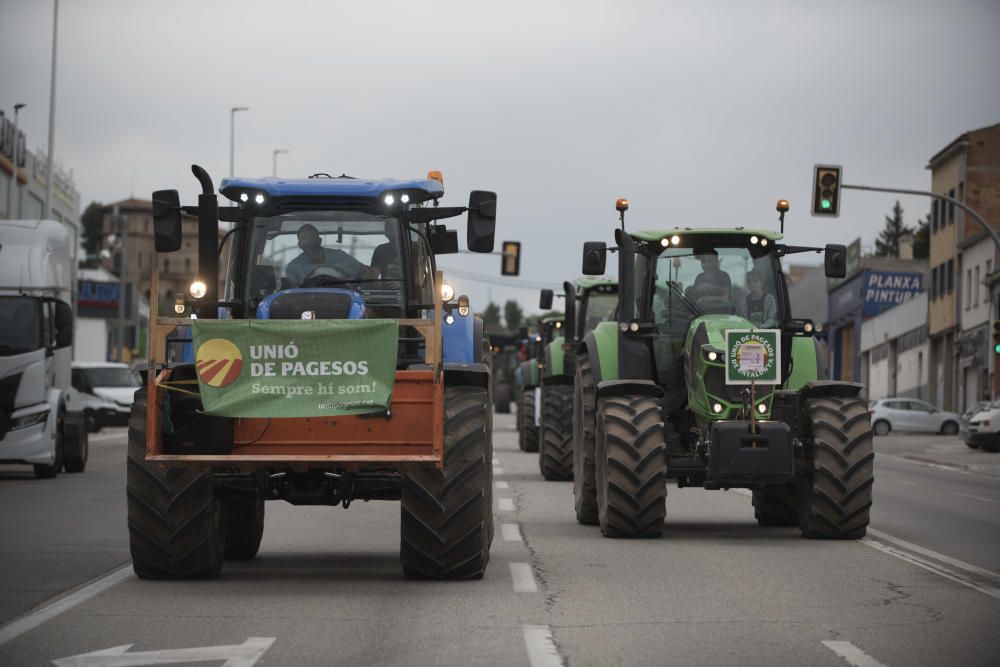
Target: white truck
[(36, 336)]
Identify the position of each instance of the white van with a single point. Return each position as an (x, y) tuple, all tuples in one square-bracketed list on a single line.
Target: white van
[(103, 392)]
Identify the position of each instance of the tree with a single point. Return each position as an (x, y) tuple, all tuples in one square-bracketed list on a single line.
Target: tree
[(513, 315), (491, 317), (922, 239), (92, 221), (887, 243)]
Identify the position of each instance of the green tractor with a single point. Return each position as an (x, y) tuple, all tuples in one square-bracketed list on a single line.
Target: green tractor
[(588, 302), (504, 348), (528, 380), (656, 403)]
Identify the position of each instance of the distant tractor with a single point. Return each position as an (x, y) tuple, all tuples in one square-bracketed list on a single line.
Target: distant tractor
[(528, 380), (504, 348), (331, 369), (589, 301), (662, 407)]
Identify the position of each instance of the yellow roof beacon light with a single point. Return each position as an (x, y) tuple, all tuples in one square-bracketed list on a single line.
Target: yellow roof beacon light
[(782, 206), (621, 204), (435, 175)]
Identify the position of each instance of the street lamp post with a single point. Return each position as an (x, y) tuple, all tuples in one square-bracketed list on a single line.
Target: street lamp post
[(274, 161), (14, 183), (50, 166), (232, 137)]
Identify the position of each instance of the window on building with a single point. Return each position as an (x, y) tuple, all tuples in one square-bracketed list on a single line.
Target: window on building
[(968, 288), (976, 288), (934, 284), (951, 207), (961, 192), (35, 206), (950, 276), (934, 216)]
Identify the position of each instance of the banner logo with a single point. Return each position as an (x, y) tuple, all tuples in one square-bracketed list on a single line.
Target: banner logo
[(219, 362), (752, 356)]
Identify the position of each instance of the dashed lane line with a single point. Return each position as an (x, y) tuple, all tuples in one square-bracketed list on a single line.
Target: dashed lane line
[(503, 485), (852, 654), (46, 613), (542, 651), (505, 504), (511, 532), (524, 578), (974, 497)]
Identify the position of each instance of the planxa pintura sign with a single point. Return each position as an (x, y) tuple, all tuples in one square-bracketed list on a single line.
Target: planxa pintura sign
[(882, 290), (295, 368)]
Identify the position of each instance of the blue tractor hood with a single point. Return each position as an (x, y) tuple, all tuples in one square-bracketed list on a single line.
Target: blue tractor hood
[(327, 189)]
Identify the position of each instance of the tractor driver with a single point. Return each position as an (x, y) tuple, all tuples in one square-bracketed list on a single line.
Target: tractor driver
[(712, 281), (314, 256)]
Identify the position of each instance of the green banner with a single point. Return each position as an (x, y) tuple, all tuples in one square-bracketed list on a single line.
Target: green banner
[(295, 368), (753, 355)]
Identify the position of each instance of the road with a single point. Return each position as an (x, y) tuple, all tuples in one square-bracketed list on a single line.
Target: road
[(922, 589)]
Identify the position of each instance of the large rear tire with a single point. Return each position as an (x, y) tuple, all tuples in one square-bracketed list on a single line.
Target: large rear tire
[(174, 519), (555, 455), (528, 438), (501, 398), (836, 497), (776, 505), (631, 466), (243, 518), (445, 512), (584, 483)]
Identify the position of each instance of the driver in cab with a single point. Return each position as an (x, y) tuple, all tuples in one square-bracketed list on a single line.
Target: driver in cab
[(712, 281), (314, 256)]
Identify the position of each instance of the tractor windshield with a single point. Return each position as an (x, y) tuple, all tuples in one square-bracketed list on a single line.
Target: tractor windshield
[(706, 280), (600, 308), (346, 249)]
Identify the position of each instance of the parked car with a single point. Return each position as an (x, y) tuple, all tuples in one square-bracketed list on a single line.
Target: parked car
[(911, 414), (103, 392), (963, 427), (984, 429)]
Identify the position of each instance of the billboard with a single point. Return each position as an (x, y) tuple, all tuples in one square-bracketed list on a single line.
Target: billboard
[(882, 290)]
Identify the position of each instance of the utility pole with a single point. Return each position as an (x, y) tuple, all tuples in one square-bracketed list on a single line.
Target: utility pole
[(50, 167), (14, 182)]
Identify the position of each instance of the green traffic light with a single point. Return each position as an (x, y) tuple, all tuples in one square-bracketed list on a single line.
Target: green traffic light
[(825, 204), (996, 348)]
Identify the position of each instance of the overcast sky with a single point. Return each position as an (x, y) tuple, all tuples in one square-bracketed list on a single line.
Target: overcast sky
[(701, 113)]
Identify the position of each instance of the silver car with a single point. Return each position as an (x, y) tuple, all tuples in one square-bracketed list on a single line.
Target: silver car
[(911, 414)]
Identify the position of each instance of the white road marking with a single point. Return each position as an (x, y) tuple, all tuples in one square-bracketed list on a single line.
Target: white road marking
[(969, 495), (928, 464), (852, 654), (954, 562), (50, 611), (503, 485), (497, 470), (524, 579), (237, 655), (542, 651), (505, 504), (496, 461), (511, 532), (936, 568)]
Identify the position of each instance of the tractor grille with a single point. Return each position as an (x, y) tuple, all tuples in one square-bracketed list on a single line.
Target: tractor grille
[(715, 384), (327, 305)]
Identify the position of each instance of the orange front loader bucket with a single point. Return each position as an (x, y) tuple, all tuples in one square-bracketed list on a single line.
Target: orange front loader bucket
[(413, 432)]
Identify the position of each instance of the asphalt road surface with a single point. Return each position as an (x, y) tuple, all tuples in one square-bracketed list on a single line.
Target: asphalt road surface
[(922, 589)]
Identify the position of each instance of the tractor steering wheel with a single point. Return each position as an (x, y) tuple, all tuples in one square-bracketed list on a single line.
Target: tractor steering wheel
[(323, 276)]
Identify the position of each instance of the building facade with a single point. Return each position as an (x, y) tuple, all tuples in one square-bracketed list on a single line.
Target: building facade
[(967, 170), (894, 351)]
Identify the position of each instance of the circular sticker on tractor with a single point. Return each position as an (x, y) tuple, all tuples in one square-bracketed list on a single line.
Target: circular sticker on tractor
[(219, 362)]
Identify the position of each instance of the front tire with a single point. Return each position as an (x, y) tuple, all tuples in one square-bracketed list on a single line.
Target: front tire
[(584, 482), (631, 466), (445, 512), (528, 437), (949, 428), (501, 398), (836, 497), (555, 456), (243, 520), (174, 518), (881, 427)]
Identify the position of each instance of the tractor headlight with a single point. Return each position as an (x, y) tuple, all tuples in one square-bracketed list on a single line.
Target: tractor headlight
[(447, 291), (198, 289), (717, 408), (675, 239), (449, 319), (463, 306), (405, 198), (258, 199), (244, 197), (712, 356), (761, 408), (389, 200)]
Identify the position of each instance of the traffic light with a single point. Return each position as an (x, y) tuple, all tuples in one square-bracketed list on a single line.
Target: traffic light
[(996, 336), (826, 190), (510, 263)]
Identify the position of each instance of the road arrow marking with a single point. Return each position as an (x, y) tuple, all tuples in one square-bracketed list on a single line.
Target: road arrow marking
[(236, 655)]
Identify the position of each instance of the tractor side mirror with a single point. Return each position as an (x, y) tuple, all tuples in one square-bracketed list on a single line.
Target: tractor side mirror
[(595, 258), (835, 260), (167, 220), (482, 220), (545, 301), (444, 241)]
